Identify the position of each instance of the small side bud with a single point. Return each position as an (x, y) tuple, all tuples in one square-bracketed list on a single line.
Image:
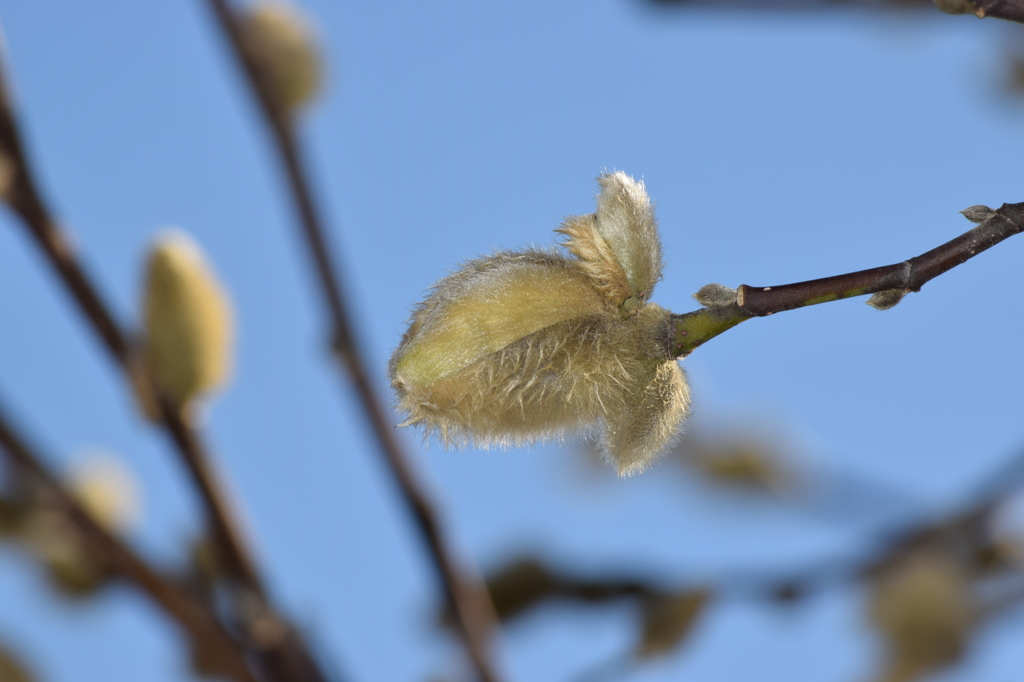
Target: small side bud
[(978, 213), (187, 319), (283, 44), (715, 295), (889, 298)]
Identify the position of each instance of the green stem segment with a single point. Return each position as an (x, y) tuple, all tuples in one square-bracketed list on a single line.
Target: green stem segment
[(690, 330)]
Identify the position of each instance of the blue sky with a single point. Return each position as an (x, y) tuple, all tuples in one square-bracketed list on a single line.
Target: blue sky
[(777, 148)]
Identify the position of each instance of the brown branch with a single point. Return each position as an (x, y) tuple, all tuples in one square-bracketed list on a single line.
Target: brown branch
[(464, 591), (25, 199), (1010, 10), (204, 631), (889, 283)]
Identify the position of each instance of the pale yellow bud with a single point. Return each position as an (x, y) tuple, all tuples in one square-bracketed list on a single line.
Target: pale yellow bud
[(922, 606), (107, 491), (187, 318), (522, 346), (283, 44)]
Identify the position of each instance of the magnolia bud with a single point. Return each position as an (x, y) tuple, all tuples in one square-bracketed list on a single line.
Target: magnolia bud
[(522, 346), (282, 44), (187, 318)]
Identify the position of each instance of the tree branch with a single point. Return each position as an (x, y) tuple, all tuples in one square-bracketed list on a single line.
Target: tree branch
[(465, 593), (1010, 10), (205, 633), (25, 199), (889, 283)]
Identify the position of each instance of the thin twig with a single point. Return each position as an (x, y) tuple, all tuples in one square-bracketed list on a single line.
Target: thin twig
[(205, 633), (465, 593), (689, 330), (286, 652)]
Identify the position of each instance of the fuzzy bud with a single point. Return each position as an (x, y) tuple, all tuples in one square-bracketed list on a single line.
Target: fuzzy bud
[(715, 295), (521, 346), (978, 213), (187, 318), (283, 45), (884, 300)]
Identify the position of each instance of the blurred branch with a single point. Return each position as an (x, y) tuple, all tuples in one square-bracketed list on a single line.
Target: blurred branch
[(526, 582), (791, 5), (23, 196), (1011, 10), (205, 633), (464, 591), (725, 308)]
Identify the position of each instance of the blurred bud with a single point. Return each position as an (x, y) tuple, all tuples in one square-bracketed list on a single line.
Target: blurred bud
[(11, 667), (922, 607), (523, 346), (883, 300), (187, 318), (71, 565), (957, 6), (977, 213), (667, 621), (742, 464), (715, 295), (519, 586), (107, 491), (282, 43)]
